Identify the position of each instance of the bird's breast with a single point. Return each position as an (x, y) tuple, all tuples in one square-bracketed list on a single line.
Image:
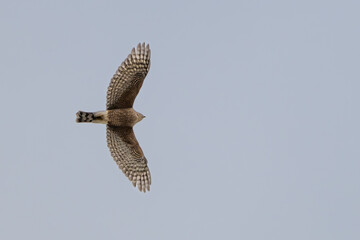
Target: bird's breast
[(122, 117)]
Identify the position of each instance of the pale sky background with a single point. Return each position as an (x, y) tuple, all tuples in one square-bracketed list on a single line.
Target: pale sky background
[(252, 128)]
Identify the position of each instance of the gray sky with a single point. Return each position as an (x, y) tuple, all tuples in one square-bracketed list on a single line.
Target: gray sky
[(252, 128)]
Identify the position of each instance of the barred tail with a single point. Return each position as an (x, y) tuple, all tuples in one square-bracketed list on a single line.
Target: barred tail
[(94, 117), (85, 116)]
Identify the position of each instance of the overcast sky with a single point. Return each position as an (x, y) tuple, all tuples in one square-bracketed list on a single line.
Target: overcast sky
[(252, 127)]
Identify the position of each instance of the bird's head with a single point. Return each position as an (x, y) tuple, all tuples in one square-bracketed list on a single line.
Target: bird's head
[(139, 116)]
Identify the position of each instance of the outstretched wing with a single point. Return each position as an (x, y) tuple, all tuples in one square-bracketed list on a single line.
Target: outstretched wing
[(128, 155), (128, 79)]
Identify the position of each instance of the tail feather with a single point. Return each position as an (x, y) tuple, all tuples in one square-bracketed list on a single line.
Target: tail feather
[(85, 116)]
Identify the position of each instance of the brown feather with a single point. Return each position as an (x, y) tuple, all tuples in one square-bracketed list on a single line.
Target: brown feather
[(128, 79), (129, 156)]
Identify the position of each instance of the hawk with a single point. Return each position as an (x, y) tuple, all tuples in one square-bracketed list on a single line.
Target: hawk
[(120, 117)]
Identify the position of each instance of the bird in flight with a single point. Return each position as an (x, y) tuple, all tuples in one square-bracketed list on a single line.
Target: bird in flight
[(120, 117)]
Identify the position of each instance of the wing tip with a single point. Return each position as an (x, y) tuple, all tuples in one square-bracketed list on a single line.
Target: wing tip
[(142, 182), (142, 187), (144, 49)]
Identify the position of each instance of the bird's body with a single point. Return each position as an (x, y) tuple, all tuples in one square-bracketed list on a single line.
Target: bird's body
[(120, 117), (124, 117)]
